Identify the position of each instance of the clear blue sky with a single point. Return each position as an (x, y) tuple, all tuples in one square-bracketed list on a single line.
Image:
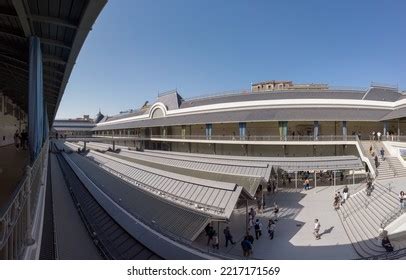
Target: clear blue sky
[(138, 48)]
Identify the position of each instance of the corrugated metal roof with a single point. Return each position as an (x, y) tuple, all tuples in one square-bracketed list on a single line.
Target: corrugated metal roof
[(249, 175), (287, 163), (166, 217), (190, 192)]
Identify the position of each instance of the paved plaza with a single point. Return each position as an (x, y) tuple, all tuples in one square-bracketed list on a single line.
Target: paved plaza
[(294, 230)]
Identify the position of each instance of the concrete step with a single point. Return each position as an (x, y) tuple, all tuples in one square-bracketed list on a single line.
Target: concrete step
[(362, 215)]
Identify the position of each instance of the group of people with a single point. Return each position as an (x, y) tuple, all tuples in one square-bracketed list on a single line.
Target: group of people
[(375, 155), (377, 136), (213, 238), (247, 244), (21, 140), (340, 199)]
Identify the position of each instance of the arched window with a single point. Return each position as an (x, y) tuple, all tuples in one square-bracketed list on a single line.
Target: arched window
[(157, 113)]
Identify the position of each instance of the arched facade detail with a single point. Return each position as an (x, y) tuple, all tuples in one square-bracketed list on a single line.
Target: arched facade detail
[(158, 110)]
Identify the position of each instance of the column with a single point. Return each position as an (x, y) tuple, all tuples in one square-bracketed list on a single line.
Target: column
[(344, 124), (385, 130), (35, 98), (243, 127), (398, 130), (316, 130), (283, 130), (209, 128)]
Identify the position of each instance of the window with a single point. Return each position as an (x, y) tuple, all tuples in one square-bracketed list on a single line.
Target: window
[(157, 113)]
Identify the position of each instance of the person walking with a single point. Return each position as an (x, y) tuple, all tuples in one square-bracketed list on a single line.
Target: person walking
[(269, 186), (24, 139), (252, 213), (275, 211), (402, 199), (246, 246), (250, 222), (258, 229), (379, 136), (345, 194), (228, 236), (382, 153), (340, 199), (387, 245), (215, 241), (336, 202), (17, 139), (316, 229), (250, 237), (210, 234), (376, 161), (271, 228)]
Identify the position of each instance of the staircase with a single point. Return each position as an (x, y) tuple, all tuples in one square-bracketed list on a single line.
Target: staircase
[(361, 217), (384, 170), (389, 168), (397, 166)]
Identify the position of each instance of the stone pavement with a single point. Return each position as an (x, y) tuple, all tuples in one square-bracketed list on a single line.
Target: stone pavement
[(294, 231)]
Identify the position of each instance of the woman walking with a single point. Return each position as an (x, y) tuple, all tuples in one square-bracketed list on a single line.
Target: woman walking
[(402, 199)]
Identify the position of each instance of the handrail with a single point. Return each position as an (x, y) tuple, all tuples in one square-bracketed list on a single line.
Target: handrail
[(249, 91), (389, 218), (18, 215), (247, 138), (366, 156), (400, 253)]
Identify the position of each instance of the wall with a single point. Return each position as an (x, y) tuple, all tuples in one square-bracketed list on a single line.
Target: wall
[(262, 128), (9, 123)]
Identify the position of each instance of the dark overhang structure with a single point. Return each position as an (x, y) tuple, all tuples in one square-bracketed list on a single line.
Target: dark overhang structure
[(61, 25)]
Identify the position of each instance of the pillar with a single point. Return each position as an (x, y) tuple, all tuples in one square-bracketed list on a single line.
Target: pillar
[(315, 179), (243, 127), (296, 179), (385, 129), (246, 215), (344, 124), (316, 130), (209, 128), (36, 114), (398, 130), (283, 130), (353, 177), (183, 129)]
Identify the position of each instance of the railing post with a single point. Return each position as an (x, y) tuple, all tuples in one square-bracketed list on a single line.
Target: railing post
[(28, 226)]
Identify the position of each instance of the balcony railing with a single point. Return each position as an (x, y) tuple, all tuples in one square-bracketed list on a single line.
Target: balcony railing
[(275, 138), (16, 218)]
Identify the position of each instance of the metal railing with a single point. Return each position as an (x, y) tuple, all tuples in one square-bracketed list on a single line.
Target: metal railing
[(287, 138), (249, 91), (389, 218), (16, 220), (366, 155)]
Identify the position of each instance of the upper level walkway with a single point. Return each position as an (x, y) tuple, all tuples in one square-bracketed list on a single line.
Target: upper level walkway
[(233, 139), (12, 168)]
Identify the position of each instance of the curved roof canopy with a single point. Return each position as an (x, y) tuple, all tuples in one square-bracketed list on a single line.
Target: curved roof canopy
[(61, 25)]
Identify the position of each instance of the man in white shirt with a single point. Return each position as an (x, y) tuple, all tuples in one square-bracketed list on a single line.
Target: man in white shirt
[(317, 229), (379, 135)]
